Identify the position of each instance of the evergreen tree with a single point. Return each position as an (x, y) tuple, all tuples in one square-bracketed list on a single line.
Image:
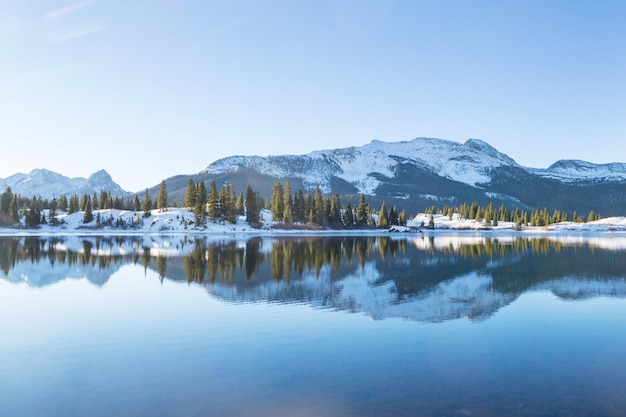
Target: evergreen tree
[(62, 204), (334, 215), (190, 196), (287, 214), (88, 216), (33, 215), (240, 206), (53, 212), (299, 207), (213, 202), (309, 208), (73, 206), (431, 221), (224, 203), (277, 202), (591, 216), (136, 205), (348, 215), (288, 203), (104, 196), (162, 203), (13, 213), (319, 207), (383, 219), (94, 201), (5, 200), (402, 218), (252, 209), (146, 204), (393, 216), (361, 213), (201, 202), (83, 201)]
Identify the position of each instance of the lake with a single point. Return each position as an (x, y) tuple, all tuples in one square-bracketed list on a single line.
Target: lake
[(408, 325)]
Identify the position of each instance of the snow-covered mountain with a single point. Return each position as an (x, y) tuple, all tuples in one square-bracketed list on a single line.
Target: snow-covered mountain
[(569, 170), (49, 184), (425, 171), (366, 167)]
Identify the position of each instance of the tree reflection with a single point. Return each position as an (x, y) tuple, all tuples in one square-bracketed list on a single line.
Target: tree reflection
[(412, 267)]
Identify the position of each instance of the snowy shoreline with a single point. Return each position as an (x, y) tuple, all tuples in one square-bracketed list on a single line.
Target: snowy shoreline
[(177, 221)]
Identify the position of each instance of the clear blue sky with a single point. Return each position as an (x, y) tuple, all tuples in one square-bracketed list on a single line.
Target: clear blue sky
[(147, 89)]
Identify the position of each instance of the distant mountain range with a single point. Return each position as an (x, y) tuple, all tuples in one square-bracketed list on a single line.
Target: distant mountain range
[(412, 174), (49, 184), (423, 172)]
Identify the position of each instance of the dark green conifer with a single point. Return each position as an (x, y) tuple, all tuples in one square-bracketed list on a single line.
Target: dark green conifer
[(190, 196), (88, 215), (162, 203), (146, 204)]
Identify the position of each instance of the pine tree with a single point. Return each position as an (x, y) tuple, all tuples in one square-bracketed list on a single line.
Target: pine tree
[(201, 202), (33, 217), (277, 202), (104, 196), (53, 212), (288, 203), (5, 200), (287, 214), (309, 208), (591, 216), (136, 205), (361, 213), (252, 209), (334, 215), (402, 218), (88, 216), (393, 216), (213, 202), (146, 204), (190, 196), (348, 215), (383, 219), (319, 207), (73, 206), (299, 207), (240, 206), (162, 203), (62, 204), (13, 213)]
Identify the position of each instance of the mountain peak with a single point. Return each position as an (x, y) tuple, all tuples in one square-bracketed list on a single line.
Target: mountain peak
[(49, 184)]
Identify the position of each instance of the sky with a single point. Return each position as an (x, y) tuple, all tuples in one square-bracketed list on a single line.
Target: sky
[(148, 89)]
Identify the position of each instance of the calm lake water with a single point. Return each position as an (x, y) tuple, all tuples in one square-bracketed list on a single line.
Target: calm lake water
[(312, 326)]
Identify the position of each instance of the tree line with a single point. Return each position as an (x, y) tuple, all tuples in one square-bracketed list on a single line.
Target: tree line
[(286, 207), (327, 211), (490, 216)]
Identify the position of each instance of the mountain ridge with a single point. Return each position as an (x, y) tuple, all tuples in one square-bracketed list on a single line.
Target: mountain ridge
[(412, 174), (48, 184)]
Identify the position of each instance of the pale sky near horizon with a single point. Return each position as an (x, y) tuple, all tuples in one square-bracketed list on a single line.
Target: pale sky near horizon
[(148, 89)]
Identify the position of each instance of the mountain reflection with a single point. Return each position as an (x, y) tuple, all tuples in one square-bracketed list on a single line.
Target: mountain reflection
[(419, 278)]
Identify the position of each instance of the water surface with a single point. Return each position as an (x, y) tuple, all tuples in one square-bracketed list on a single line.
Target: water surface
[(317, 326)]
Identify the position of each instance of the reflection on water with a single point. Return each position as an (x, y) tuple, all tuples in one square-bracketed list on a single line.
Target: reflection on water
[(429, 279), (123, 326)]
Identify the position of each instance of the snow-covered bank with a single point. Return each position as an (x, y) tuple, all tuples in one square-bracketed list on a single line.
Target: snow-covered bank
[(610, 224), (181, 221)]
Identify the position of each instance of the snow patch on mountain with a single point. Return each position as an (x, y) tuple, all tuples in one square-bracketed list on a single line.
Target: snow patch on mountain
[(577, 170), (363, 166)]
